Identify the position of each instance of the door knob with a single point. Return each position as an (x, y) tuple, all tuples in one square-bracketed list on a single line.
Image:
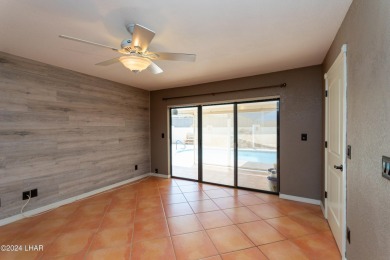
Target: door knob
[(340, 167)]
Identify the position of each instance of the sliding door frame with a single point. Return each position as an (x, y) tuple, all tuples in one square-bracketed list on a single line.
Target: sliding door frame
[(199, 109), (235, 138), (277, 143), (234, 143), (235, 133), (200, 147)]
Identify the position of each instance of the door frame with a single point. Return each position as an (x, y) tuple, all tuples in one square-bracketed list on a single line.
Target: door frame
[(200, 140), (199, 119), (343, 57), (277, 143)]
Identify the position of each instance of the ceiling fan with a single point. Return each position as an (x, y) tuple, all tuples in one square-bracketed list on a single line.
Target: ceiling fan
[(136, 56)]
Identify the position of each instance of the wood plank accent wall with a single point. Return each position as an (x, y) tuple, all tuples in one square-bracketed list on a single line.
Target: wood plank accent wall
[(66, 133)]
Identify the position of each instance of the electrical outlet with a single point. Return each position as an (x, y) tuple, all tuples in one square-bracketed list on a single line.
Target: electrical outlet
[(136, 167), (349, 152), (386, 167), (26, 194), (156, 170), (34, 193)]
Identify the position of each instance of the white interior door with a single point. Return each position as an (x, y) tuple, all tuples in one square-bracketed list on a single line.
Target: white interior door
[(335, 151)]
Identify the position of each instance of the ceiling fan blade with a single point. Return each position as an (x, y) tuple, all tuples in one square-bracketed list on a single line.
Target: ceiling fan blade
[(142, 36), (173, 56), (108, 62), (88, 42), (154, 68)]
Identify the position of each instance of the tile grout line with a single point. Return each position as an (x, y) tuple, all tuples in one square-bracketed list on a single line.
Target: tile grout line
[(107, 210), (135, 215), (205, 231), (95, 233), (170, 235), (59, 233)]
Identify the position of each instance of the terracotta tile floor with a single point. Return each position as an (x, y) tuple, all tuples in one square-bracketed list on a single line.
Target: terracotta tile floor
[(175, 219)]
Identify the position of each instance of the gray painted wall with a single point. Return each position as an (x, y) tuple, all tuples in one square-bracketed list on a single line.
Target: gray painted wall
[(366, 30), (66, 133), (300, 112)]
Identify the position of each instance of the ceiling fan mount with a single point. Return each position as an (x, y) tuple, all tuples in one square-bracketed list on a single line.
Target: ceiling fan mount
[(137, 57), (130, 28), (126, 44)]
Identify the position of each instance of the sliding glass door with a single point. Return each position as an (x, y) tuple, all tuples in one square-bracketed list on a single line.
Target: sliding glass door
[(257, 142), (218, 144), (184, 142), (233, 144)]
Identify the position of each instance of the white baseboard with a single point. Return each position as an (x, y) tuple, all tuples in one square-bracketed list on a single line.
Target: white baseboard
[(36, 211), (160, 175), (300, 199), (323, 209)]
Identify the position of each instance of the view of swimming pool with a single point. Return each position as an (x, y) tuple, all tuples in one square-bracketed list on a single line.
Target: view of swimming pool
[(218, 156)]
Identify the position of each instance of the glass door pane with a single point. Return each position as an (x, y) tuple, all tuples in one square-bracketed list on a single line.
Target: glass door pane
[(257, 141), (218, 144), (184, 142)]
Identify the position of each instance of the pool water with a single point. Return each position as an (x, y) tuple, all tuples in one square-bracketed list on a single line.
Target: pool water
[(223, 157), (260, 156)]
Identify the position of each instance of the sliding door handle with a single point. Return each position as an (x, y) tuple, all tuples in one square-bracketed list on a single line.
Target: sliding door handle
[(340, 167)]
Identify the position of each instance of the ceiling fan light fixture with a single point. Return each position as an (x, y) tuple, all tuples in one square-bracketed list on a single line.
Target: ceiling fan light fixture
[(135, 63)]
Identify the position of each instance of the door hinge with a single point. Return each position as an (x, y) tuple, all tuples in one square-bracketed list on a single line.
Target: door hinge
[(326, 144), (326, 93), (326, 194)]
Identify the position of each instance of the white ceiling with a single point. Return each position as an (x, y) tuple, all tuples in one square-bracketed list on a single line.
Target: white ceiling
[(231, 38)]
